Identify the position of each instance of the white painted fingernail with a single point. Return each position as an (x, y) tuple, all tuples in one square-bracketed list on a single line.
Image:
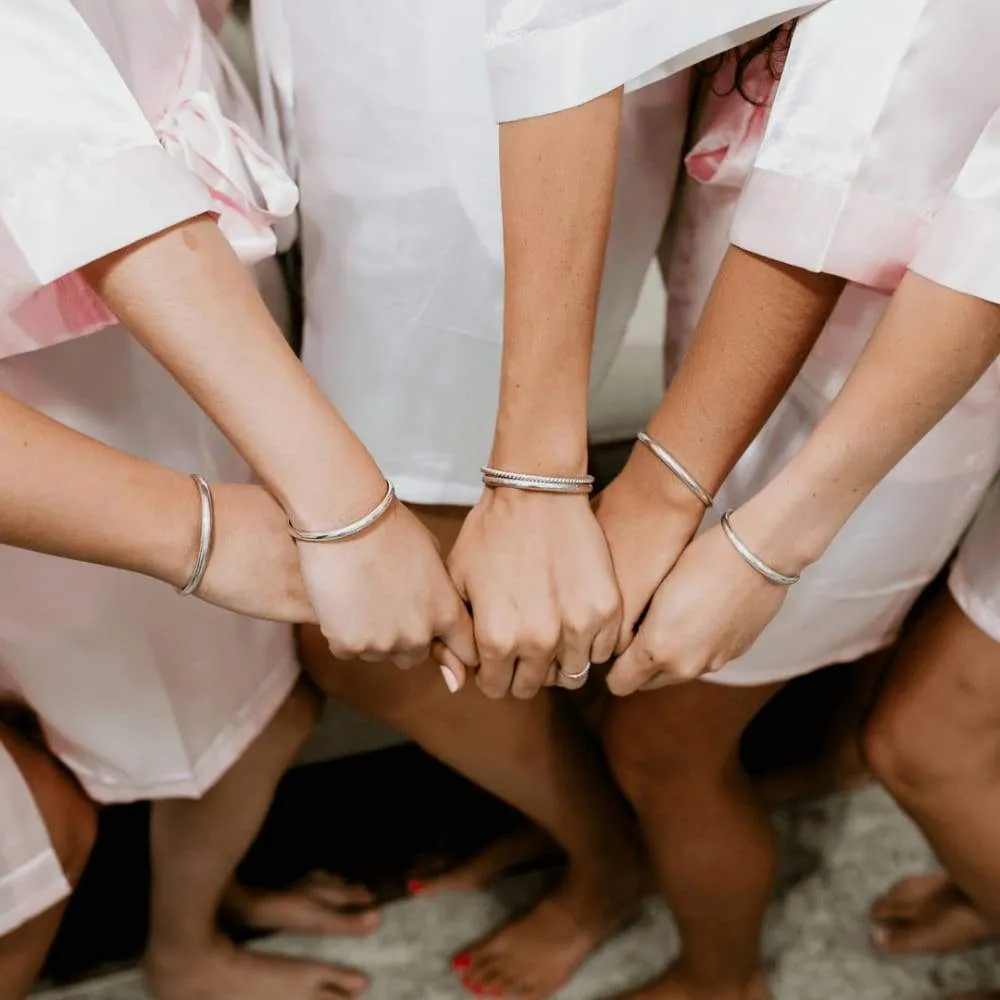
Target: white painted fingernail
[(449, 678)]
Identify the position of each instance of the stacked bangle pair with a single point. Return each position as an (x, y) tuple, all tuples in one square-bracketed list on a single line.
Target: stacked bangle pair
[(536, 484), (755, 562)]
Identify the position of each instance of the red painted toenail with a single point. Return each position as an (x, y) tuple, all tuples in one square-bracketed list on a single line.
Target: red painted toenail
[(479, 991), (461, 962), (414, 887)]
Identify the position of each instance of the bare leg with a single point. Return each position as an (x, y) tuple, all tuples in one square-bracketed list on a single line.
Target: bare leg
[(934, 741), (534, 756), (196, 846), (71, 820), (676, 754)]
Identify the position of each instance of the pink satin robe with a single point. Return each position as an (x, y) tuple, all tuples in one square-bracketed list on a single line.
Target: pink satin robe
[(853, 600), (141, 693)]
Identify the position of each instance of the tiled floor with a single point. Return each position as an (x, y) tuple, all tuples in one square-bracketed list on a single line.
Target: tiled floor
[(838, 854)]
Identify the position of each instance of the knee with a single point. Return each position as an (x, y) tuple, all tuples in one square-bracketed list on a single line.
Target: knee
[(919, 750), (640, 756)]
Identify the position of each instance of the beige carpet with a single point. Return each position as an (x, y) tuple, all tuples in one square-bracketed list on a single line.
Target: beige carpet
[(837, 855)]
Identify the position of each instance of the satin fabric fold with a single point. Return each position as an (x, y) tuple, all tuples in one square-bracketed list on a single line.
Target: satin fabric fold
[(549, 55)]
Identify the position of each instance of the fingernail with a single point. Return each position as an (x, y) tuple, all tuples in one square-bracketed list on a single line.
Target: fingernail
[(461, 962), (414, 887), (449, 678), (880, 936)]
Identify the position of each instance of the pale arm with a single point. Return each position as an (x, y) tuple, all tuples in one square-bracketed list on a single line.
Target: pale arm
[(930, 348), (65, 494), (385, 593), (186, 297)]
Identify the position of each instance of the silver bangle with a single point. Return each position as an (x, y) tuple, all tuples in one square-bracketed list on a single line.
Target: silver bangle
[(537, 484), (205, 539), (349, 530), (781, 579), (676, 468)]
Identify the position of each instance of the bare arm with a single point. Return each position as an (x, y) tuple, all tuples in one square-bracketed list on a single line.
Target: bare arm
[(535, 567), (557, 180), (185, 296), (931, 346), (65, 494), (929, 349), (760, 322)]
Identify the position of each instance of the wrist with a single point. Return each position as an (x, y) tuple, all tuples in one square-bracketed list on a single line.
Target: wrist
[(170, 550), (545, 448), (654, 485), (786, 525)]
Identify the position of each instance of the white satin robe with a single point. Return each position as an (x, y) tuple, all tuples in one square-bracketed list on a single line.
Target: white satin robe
[(384, 110), (549, 55), (853, 600), (141, 693)]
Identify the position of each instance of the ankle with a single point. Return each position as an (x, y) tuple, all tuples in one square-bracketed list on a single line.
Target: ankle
[(713, 982)]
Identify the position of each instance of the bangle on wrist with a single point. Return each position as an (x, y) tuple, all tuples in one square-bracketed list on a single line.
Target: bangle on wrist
[(693, 486), (348, 530), (501, 478), (753, 561), (205, 538)]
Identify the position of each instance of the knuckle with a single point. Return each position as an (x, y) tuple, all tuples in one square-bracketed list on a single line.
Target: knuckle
[(538, 642)]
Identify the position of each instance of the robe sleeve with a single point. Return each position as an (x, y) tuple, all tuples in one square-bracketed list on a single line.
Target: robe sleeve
[(962, 248), (879, 107), (81, 171), (549, 55)]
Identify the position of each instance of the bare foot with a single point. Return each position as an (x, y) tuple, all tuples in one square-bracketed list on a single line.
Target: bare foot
[(673, 986), (534, 955), (926, 913), (501, 857), (223, 972), (321, 904)]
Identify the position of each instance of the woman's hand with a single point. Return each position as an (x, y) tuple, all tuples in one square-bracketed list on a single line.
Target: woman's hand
[(386, 595), (536, 571), (710, 609), (648, 517)]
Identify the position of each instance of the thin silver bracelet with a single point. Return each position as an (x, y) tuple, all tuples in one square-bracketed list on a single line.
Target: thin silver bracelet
[(676, 468), (768, 572), (205, 539), (349, 530), (537, 484)]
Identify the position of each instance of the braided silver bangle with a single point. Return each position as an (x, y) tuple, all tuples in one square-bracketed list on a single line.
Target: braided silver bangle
[(768, 572), (537, 484), (676, 468), (205, 539), (349, 530)]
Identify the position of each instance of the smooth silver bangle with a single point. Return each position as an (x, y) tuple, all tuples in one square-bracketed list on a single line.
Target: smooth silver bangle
[(769, 573), (676, 468), (537, 484), (205, 539), (349, 530)]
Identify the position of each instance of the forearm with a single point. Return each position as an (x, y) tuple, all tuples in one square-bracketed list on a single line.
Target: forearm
[(557, 181), (931, 346), (186, 297), (68, 495), (760, 322)]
